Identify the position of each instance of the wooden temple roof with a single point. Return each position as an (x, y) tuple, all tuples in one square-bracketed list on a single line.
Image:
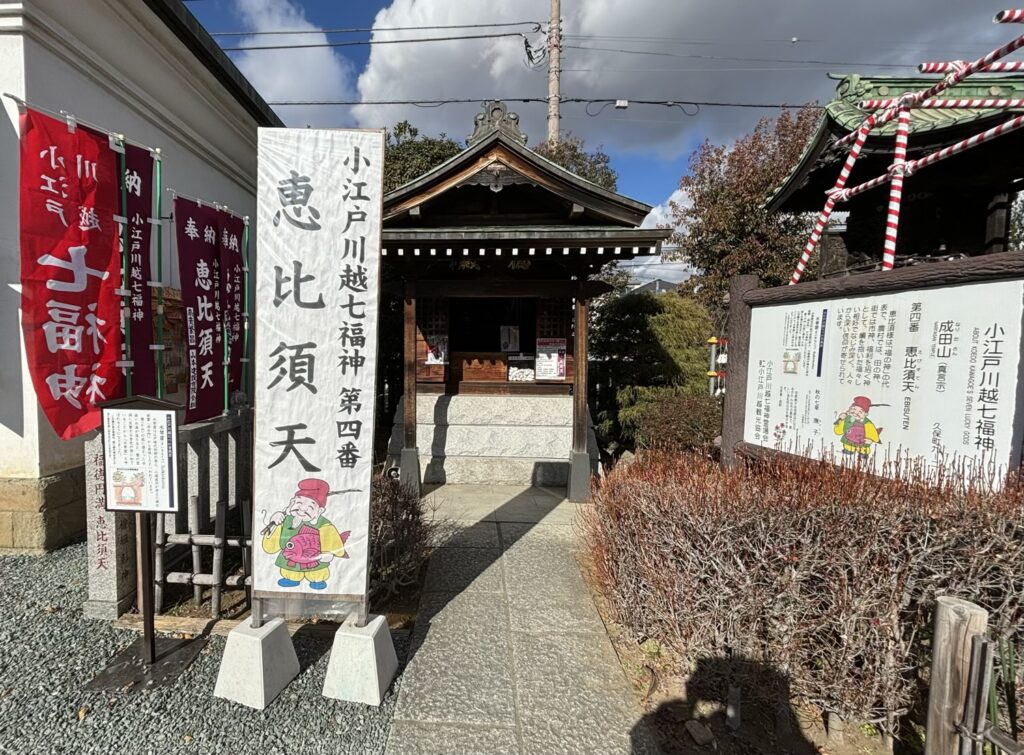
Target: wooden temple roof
[(985, 168), (498, 197)]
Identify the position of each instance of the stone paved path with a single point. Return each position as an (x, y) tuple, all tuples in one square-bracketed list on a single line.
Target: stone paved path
[(509, 655)]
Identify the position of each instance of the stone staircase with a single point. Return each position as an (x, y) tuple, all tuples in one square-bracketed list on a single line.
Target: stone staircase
[(501, 440)]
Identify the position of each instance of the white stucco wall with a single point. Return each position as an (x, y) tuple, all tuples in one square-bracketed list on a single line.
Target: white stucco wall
[(114, 64)]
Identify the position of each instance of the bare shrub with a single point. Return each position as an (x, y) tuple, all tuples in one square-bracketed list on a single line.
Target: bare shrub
[(824, 573), (671, 420), (400, 537)]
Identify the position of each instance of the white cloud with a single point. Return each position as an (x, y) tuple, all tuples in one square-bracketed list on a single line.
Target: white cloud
[(661, 216), (646, 269), (314, 73), (866, 31)]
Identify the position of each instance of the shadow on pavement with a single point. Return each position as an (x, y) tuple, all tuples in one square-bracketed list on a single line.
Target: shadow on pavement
[(697, 723)]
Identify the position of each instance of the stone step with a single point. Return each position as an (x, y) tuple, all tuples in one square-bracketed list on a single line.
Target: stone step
[(533, 411), (488, 440)]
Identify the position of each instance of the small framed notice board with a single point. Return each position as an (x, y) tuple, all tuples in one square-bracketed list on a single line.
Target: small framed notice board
[(140, 445)]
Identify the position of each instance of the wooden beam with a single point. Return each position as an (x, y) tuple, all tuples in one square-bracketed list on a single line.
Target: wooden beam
[(990, 267), (409, 417), (580, 417), (505, 287), (576, 211), (997, 224), (589, 236), (415, 212), (738, 332)]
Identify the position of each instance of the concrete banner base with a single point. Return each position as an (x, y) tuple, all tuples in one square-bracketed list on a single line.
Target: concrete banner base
[(362, 664), (257, 664), (409, 470), (579, 477)]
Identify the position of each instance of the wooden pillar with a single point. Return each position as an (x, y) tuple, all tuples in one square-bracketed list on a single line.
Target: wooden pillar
[(409, 466), (956, 622), (997, 224), (738, 334), (579, 473)]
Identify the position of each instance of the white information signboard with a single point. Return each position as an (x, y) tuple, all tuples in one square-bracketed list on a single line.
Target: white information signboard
[(550, 358), (140, 459), (929, 375), (317, 281)]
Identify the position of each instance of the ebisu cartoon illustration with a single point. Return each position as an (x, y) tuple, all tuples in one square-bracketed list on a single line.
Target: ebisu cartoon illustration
[(305, 541), (855, 429)]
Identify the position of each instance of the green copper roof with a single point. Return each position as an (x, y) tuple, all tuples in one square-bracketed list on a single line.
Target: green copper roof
[(844, 109), (844, 115)]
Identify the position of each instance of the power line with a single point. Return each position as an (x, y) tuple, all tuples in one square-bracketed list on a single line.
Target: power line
[(698, 56), (537, 27), (792, 41), (571, 100), (364, 42), (716, 69)]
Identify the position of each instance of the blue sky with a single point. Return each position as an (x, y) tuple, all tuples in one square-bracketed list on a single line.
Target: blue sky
[(642, 175), (694, 50)]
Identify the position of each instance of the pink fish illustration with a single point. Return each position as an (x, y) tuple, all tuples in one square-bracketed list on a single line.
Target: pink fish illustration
[(344, 539), (303, 550), (856, 434)]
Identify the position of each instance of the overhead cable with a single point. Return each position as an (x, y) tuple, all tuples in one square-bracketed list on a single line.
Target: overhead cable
[(682, 104), (370, 29), (371, 42)]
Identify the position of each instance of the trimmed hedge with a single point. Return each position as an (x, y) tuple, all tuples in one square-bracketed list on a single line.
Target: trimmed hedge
[(824, 573)]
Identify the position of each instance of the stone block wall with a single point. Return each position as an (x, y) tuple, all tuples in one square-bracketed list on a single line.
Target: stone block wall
[(42, 514), (501, 440)]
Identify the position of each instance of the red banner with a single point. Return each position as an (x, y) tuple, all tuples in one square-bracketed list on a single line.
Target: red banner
[(138, 179), (210, 266), (70, 270)]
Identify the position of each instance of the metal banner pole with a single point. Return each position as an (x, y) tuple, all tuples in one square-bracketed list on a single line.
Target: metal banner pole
[(159, 351), (245, 311), (145, 555), (126, 320), (225, 328)]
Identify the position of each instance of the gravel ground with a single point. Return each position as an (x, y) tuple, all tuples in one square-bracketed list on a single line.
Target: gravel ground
[(48, 652)]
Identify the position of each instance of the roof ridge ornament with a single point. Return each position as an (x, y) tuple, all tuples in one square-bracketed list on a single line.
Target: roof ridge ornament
[(495, 117)]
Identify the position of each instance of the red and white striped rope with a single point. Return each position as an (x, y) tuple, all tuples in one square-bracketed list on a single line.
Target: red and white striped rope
[(1003, 66), (954, 78), (830, 203), (953, 149), (912, 166), (892, 222), (853, 191), (1009, 17), (940, 104)]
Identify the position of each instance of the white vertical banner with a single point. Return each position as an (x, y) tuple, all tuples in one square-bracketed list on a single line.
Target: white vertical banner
[(317, 282)]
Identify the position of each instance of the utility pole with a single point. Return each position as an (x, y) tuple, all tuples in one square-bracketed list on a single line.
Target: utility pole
[(554, 68)]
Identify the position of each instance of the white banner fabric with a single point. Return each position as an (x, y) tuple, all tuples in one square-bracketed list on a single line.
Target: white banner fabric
[(317, 282)]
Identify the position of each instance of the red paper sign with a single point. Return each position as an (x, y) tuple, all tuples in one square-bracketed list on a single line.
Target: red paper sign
[(138, 178), (70, 270)]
